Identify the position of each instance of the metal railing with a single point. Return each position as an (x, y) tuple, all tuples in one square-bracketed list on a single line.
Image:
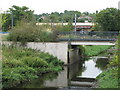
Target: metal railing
[(88, 36)]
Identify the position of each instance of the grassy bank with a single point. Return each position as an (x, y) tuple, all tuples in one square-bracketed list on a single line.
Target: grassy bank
[(20, 64), (108, 79), (93, 50), (111, 77)]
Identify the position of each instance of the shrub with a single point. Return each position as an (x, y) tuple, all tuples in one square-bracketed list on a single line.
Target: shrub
[(50, 59), (12, 63), (114, 62), (29, 32), (65, 28), (13, 76), (20, 64), (35, 62)]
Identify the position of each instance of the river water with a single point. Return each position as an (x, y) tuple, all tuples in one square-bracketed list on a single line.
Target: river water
[(80, 75)]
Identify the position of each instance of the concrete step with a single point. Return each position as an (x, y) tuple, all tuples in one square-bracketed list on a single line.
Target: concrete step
[(83, 79), (75, 88), (78, 83)]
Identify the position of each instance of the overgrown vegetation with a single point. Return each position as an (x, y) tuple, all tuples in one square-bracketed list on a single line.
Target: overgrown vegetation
[(63, 28), (16, 13), (20, 64), (108, 20), (108, 79), (29, 32), (93, 50), (111, 77), (66, 16)]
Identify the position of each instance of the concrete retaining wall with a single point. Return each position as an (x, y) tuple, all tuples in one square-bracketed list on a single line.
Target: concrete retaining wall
[(74, 55), (58, 50)]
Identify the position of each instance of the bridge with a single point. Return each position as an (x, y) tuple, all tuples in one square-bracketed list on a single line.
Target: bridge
[(89, 38), (89, 43), (61, 49)]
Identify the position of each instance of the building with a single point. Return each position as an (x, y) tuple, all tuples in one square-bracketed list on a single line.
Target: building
[(51, 23), (84, 26), (79, 26), (85, 17)]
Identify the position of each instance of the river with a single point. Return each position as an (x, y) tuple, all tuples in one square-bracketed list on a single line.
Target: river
[(80, 75)]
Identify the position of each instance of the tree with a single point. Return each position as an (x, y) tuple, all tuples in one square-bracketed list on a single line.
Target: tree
[(118, 20), (0, 22), (86, 13), (18, 14), (67, 16), (118, 47), (21, 12), (108, 19), (6, 21)]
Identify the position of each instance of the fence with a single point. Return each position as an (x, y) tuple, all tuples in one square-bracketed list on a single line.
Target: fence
[(88, 36)]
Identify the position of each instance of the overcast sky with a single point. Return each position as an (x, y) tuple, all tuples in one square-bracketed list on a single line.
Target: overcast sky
[(48, 6)]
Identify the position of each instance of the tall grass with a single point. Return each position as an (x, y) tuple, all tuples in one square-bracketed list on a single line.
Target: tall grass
[(108, 79), (93, 50), (20, 64), (29, 32), (111, 77)]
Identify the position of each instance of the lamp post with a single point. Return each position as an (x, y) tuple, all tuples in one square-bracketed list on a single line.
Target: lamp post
[(75, 24), (12, 19)]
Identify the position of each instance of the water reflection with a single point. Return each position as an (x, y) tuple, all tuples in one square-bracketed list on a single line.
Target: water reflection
[(39, 83), (102, 63), (60, 79), (94, 66), (87, 69), (90, 70)]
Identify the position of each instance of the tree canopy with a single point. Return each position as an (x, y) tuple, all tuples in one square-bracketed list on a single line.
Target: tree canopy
[(108, 18), (16, 13), (66, 16)]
